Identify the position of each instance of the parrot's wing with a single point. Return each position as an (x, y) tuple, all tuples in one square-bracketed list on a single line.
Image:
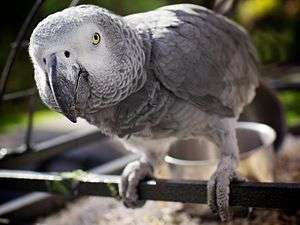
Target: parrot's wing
[(204, 59)]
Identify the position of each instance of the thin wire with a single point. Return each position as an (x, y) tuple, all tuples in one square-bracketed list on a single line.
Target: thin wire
[(19, 94), (29, 130), (74, 3), (15, 48), (18, 43)]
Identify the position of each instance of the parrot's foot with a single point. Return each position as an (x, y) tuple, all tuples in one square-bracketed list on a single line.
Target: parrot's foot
[(132, 175), (218, 189)]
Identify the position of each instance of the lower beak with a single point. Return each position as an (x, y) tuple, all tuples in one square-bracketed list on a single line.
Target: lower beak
[(62, 89)]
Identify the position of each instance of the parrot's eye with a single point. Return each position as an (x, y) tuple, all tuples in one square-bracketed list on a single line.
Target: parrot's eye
[(96, 39)]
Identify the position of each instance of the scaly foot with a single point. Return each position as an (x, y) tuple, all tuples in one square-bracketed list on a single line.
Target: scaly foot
[(218, 188), (132, 175)]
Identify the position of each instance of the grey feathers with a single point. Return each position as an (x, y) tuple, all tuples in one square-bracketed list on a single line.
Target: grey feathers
[(203, 58), (147, 67)]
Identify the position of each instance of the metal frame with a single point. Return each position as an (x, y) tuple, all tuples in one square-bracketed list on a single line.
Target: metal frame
[(28, 93), (249, 194), (266, 195), (28, 207), (13, 159)]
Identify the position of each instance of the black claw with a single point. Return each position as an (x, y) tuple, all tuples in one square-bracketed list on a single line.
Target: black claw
[(133, 205)]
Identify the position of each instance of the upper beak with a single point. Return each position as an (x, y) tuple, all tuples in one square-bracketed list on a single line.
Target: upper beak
[(62, 89)]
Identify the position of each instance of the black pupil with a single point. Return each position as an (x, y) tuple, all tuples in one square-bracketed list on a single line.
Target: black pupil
[(96, 37)]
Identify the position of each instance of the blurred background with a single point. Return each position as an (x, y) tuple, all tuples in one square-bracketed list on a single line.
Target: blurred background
[(273, 24), (275, 29)]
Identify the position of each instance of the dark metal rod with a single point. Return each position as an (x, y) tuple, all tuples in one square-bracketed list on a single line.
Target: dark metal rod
[(47, 149), (248, 194), (295, 130), (19, 208), (18, 42), (74, 3), (285, 86), (19, 94), (29, 130)]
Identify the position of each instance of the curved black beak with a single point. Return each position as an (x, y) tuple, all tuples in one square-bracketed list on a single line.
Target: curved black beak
[(62, 89)]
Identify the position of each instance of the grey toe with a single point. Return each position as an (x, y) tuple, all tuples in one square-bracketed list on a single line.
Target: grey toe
[(218, 189), (132, 175), (222, 197), (211, 195)]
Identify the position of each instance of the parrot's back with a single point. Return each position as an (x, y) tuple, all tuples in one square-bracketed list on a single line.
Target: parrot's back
[(201, 57)]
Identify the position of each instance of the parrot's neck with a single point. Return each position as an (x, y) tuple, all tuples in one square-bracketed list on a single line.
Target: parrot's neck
[(143, 109), (137, 113)]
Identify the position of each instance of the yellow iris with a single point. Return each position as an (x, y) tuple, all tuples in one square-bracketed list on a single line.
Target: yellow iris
[(96, 39)]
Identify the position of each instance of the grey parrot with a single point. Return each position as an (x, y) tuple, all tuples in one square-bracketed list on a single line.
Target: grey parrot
[(150, 79)]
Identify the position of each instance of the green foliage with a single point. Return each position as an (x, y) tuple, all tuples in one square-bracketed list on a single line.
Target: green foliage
[(291, 101), (68, 183), (18, 119), (114, 191), (131, 6), (273, 45), (251, 10), (52, 6)]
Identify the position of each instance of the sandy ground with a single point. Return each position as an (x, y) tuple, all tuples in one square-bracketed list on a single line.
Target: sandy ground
[(105, 211)]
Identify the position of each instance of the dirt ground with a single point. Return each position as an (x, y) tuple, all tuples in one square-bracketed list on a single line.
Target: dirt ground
[(105, 211)]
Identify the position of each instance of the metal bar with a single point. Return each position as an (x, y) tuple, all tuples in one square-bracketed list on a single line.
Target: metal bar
[(22, 201), (295, 130), (16, 45), (74, 3), (29, 130), (278, 71), (285, 86), (24, 44), (248, 194), (19, 94), (18, 42), (42, 151), (28, 207)]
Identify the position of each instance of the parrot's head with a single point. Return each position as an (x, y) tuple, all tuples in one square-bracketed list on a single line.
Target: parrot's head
[(85, 59)]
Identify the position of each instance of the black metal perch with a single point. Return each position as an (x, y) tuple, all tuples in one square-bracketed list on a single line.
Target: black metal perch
[(37, 204), (249, 194)]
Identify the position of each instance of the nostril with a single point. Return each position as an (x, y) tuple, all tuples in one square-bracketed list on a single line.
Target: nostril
[(44, 60), (67, 54)]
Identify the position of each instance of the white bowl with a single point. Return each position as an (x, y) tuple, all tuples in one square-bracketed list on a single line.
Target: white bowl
[(197, 159)]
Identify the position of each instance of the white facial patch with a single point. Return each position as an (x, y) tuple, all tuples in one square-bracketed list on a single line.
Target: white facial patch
[(93, 57)]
